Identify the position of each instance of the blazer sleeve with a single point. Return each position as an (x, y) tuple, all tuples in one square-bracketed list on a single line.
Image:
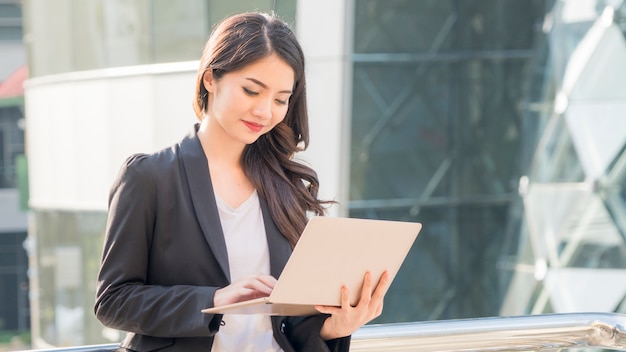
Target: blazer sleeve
[(303, 334), (124, 299)]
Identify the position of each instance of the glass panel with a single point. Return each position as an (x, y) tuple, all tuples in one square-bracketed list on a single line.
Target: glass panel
[(602, 52), (88, 24), (574, 199), (69, 247), (286, 10), (69, 35), (436, 127), (14, 312), (127, 33), (448, 272), (10, 23), (11, 145), (401, 26), (399, 129), (488, 123), (11, 33), (220, 9), (572, 228), (556, 158), (179, 29), (600, 139), (8, 10), (48, 36), (489, 25), (620, 17), (585, 290), (406, 26)]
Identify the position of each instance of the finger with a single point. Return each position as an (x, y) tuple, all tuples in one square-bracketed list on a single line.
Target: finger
[(258, 280), (256, 285), (267, 280), (260, 287), (382, 287), (345, 297), (379, 310), (366, 291), (328, 309), (239, 294)]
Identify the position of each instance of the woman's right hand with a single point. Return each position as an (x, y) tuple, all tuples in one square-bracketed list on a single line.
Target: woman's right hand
[(246, 288)]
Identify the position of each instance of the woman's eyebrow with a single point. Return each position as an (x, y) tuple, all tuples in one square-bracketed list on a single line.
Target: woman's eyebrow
[(288, 91)]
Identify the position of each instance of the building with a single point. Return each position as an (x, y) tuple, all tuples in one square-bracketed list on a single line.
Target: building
[(465, 115), (14, 303)]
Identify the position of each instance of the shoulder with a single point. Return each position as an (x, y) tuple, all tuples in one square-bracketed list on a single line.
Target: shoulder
[(162, 163), (158, 161), (147, 167), (146, 163)]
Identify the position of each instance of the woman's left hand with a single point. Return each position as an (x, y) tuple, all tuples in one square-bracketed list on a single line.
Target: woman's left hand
[(345, 320)]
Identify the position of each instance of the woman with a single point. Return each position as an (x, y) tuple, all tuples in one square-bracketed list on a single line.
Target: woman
[(213, 219)]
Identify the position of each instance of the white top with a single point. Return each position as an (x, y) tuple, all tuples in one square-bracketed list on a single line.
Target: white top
[(248, 254)]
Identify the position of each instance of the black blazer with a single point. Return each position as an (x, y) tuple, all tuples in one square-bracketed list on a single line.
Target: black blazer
[(165, 256)]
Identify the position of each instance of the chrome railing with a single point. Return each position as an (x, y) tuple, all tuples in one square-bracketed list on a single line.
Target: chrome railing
[(519, 333)]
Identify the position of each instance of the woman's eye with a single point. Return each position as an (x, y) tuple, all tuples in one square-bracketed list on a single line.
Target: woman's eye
[(281, 102), (250, 92)]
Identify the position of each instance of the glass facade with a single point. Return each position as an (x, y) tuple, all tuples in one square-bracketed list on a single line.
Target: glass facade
[(14, 293), (14, 310), (498, 125), (68, 247), (436, 124), (10, 22), (96, 34), (573, 237), (11, 144)]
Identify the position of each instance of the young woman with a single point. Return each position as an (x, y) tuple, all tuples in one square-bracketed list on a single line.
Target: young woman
[(213, 219)]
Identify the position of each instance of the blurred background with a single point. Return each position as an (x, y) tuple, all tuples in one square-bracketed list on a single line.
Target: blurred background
[(498, 124)]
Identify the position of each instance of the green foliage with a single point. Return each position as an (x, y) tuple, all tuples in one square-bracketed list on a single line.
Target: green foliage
[(10, 337)]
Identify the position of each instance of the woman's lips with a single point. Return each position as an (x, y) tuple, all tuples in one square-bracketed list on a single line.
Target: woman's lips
[(255, 127)]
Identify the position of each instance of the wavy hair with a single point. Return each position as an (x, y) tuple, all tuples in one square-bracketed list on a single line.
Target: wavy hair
[(290, 188)]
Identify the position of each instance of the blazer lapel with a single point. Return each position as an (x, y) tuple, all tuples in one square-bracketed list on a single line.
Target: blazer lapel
[(279, 247), (203, 198)]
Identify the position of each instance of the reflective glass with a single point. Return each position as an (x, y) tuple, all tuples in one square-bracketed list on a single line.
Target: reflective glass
[(88, 31), (68, 35), (406, 26), (436, 136), (14, 312), (556, 159), (68, 250), (574, 204), (10, 22), (448, 272), (573, 228), (179, 29)]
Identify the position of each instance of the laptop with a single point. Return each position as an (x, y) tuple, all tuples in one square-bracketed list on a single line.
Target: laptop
[(331, 252)]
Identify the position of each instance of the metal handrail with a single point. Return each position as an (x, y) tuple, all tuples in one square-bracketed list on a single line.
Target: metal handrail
[(518, 333)]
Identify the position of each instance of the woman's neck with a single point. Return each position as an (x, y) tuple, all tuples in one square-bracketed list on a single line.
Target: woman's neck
[(217, 145), (229, 180)]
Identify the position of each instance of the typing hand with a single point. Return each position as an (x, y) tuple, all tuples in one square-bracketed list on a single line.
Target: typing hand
[(244, 289)]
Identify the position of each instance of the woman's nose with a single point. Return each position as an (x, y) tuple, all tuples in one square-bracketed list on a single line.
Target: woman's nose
[(263, 109)]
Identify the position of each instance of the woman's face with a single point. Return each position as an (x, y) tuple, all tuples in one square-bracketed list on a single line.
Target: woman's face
[(249, 102)]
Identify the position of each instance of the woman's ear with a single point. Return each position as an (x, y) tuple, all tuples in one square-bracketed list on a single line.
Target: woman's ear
[(208, 81)]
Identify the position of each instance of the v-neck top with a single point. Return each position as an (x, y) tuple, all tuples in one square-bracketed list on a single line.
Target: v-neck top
[(248, 254)]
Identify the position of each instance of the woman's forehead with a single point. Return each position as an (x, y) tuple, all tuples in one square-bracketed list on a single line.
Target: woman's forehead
[(270, 72)]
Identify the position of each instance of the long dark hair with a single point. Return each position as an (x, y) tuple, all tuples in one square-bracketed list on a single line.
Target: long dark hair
[(289, 187)]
